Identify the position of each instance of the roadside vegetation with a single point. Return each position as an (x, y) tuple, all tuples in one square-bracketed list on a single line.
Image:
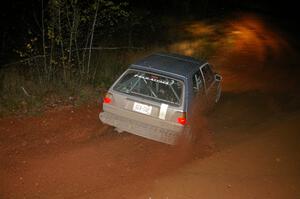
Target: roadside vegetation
[(77, 49)]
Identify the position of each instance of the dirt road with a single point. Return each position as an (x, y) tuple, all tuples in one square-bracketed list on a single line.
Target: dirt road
[(249, 146)]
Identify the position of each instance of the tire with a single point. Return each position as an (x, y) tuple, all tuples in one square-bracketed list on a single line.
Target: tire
[(189, 135)]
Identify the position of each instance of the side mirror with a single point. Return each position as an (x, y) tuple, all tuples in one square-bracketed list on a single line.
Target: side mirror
[(218, 77)]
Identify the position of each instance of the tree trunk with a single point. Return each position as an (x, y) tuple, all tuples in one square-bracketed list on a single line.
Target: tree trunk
[(91, 40)]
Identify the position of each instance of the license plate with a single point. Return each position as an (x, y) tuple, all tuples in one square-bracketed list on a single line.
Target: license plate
[(142, 108)]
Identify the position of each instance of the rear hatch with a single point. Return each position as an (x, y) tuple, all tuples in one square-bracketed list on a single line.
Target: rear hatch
[(148, 97)]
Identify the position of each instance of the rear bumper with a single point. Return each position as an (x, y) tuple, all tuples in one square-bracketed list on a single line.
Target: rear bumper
[(161, 132)]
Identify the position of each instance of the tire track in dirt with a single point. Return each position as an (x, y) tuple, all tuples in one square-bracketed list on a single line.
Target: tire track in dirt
[(68, 153)]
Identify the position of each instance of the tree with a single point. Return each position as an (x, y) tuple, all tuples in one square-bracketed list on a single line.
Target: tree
[(68, 29)]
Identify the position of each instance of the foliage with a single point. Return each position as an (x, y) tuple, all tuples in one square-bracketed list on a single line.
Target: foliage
[(61, 62), (22, 93), (66, 37)]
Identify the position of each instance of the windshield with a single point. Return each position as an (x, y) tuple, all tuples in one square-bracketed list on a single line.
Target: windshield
[(149, 85)]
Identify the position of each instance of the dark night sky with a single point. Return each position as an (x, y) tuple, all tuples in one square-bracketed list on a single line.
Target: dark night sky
[(19, 12), (17, 16)]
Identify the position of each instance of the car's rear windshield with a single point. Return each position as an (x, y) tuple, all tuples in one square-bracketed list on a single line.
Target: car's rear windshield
[(152, 86)]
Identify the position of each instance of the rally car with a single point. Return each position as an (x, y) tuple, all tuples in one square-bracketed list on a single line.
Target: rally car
[(153, 97)]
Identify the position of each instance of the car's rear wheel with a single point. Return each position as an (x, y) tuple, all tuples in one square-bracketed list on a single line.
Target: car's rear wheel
[(188, 134)]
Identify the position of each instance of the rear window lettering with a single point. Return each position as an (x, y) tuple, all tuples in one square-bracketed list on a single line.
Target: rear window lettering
[(153, 86), (155, 79)]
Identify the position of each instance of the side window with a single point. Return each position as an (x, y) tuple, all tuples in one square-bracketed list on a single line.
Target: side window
[(197, 82), (208, 75)]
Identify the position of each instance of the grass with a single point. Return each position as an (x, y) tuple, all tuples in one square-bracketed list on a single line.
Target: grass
[(24, 89)]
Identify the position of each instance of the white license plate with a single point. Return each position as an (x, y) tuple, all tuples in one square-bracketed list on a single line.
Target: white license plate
[(142, 108)]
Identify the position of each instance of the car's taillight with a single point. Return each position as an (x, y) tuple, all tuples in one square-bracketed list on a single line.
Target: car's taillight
[(107, 98), (182, 119)]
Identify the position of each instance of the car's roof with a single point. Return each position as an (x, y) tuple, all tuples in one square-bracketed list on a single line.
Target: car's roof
[(167, 63)]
